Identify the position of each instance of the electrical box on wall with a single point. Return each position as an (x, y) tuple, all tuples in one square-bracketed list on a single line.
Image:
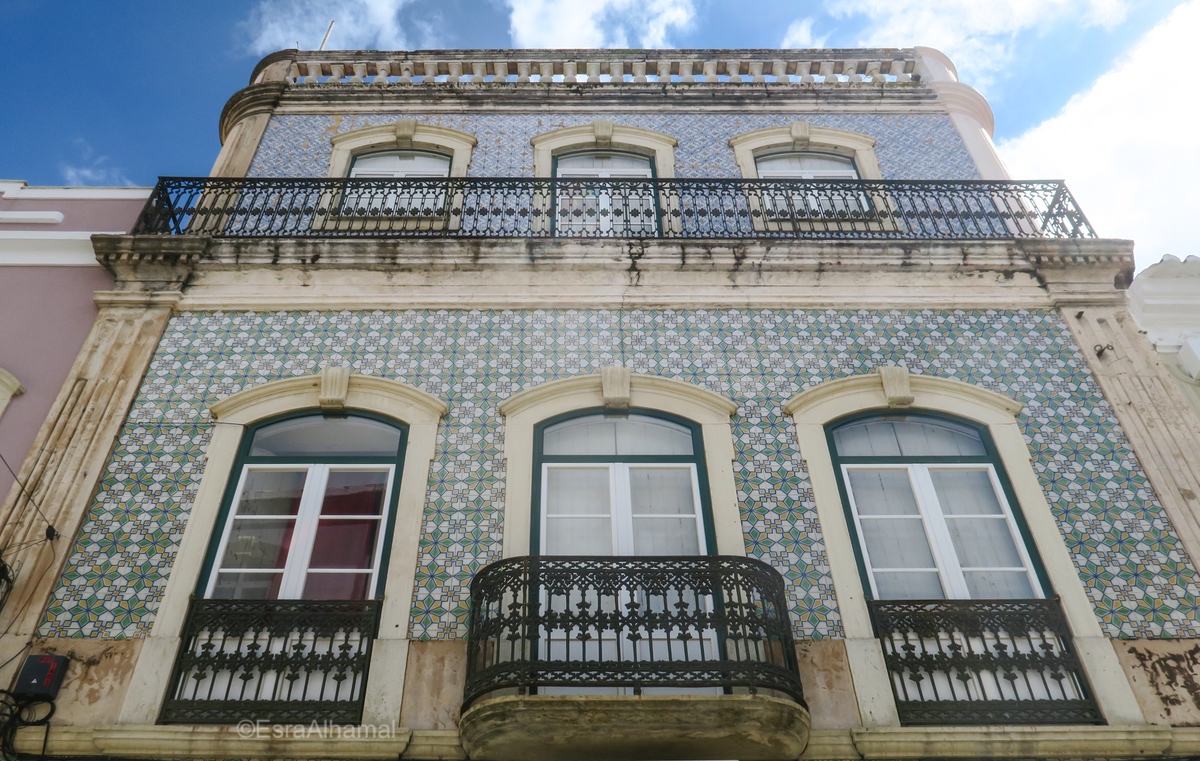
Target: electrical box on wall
[(41, 676)]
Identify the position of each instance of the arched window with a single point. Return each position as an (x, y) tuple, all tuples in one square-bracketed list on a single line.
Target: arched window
[(931, 509), (805, 166), (592, 207), (400, 164), (628, 485), (313, 498)]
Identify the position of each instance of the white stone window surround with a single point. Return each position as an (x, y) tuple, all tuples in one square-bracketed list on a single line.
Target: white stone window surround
[(401, 135), (887, 389), (524, 410), (335, 388), (604, 135), (9, 387), (802, 137)]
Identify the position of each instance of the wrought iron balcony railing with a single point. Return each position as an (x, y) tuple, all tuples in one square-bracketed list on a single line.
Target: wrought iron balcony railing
[(517, 207), (567, 624), (279, 661), (972, 662)]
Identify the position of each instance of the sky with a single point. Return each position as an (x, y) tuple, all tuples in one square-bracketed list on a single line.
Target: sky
[(1096, 92)]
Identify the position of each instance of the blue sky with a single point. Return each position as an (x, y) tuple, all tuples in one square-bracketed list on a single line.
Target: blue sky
[(120, 93)]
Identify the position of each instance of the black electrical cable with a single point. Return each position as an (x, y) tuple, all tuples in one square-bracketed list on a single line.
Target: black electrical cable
[(17, 712), (32, 501)]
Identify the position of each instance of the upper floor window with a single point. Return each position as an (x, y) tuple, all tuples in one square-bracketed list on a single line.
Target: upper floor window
[(806, 166), (620, 486), (930, 509), (591, 207), (399, 164), (313, 499)]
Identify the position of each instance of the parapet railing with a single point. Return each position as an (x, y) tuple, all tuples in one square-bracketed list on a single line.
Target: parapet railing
[(519, 207), (869, 65), (564, 624), (277, 661), (973, 662)]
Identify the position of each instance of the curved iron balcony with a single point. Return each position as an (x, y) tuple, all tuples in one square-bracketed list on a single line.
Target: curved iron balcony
[(688, 209), (559, 625)]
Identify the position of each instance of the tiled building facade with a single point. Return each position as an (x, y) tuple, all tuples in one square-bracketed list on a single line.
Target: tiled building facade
[(1005, 315)]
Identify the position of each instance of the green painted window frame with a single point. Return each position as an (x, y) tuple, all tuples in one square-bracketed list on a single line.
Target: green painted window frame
[(695, 459), (244, 459), (991, 457)]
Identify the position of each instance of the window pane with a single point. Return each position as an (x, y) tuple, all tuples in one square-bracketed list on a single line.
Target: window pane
[(336, 586), (344, 544), (258, 544), (661, 491), (401, 164), (908, 437), (882, 492), (577, 536), (797, 164), (272, 492), (965, 492), (247, 586), (897, 543), (921, 585), (999, 585), (355, 492), (635, 435), (597, 164), (578, 491), (984, 543), (316, 436), (665, 536)]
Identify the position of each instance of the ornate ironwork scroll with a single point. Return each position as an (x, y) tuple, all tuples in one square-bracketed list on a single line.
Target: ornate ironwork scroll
[(281, 661), (977, 662), (517, 207), (542, 623)]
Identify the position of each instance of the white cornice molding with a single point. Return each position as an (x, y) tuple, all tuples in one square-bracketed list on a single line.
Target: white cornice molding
[(19, 189), (966, 100), (33, 248)]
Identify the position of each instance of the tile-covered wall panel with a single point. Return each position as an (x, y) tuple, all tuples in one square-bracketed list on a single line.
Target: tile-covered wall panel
[(1140, 581), (909, 146)]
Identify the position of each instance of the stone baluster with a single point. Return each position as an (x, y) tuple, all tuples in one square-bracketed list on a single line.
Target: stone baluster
[(546, 71), (850, 69), (662, 70), (456, 71), (616, 71), (293, 75), (639, 71), (314, 71), (360, 73), (779, 71), (570, 71), (873, 68), (756, 72), (336, 72), (593, 71), (501, 69), (710, 72), (523, 72), (826, 71), (383, 70), (478, 71), (406, 72), (685, 72), (805, 70), (431, 71), (897, 70), (734, 70)]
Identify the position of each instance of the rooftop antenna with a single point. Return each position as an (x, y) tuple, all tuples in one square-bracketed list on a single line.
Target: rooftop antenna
[(327, 32)]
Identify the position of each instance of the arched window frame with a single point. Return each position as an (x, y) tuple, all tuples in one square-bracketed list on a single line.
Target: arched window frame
[(335, 389), (402, 135), (711, 412), (244, 460), (603, 135), (892, 388), (991, 457), (367, 154), (697, 458), (802, 137)]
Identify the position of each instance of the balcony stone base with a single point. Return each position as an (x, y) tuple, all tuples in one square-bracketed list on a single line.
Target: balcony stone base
[(604, 727)]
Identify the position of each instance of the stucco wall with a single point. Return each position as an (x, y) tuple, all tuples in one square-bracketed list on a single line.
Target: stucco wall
[(1139, 579)]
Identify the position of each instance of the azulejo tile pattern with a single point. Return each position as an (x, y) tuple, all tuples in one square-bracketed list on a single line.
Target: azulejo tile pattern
[(1140, 581), (909, 146)]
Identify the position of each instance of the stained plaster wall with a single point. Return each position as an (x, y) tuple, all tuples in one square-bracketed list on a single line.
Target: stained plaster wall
[(909, 146), (1139, 579)]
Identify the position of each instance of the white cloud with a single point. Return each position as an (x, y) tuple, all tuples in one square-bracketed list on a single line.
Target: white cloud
[(800, 35), (1126, 146), (92, 169), (980, 37), (360, 25), (597, 24)]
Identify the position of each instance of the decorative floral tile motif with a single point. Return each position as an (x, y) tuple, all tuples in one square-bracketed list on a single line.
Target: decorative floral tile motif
[(909, 146), (1140, 581)]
